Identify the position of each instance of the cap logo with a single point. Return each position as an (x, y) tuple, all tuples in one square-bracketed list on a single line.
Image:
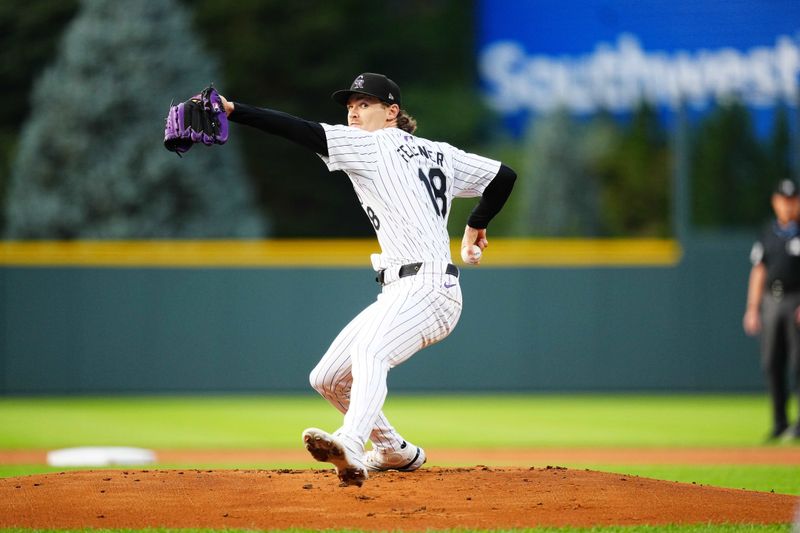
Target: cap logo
[(787, 188), (391, 96), (358, 83)]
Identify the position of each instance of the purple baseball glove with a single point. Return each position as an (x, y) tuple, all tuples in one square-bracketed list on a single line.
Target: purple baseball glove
[(199, 119)]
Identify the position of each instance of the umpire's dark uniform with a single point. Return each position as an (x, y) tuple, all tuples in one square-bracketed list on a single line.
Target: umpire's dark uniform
[(778, 251)]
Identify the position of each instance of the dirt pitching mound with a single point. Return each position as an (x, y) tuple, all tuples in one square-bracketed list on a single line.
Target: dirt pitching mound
[(432, 498)]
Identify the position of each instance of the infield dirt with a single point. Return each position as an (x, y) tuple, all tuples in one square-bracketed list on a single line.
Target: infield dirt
[(431, 498)]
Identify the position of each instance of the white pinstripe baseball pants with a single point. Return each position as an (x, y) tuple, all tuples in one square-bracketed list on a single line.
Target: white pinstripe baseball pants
[(409, 314)]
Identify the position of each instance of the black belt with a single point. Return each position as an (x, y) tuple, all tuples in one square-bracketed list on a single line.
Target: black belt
[(412, 268), (779, 290)]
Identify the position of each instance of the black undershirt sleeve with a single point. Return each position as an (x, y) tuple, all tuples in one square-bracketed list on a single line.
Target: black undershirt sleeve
[(304, 132), (311, 135), (493, 199)]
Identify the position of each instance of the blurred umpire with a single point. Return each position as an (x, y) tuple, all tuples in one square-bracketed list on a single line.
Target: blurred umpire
[(773, 305)]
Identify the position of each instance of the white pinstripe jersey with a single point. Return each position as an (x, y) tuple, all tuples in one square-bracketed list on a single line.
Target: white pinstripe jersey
[(405, 185)]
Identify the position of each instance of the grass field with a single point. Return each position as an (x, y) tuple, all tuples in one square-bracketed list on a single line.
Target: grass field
[(437, 421)]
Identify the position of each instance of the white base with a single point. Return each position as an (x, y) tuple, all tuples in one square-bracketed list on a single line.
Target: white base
[(100, 456)]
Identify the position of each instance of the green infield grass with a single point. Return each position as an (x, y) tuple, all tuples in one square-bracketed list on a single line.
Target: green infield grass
[(445, 421), (437, 421)]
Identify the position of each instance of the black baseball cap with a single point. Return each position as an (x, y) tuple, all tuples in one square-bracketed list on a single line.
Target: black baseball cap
[(787, 188), (371, 84)]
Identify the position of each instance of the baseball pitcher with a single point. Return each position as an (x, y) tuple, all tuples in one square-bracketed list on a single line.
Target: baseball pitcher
[(405, 185)]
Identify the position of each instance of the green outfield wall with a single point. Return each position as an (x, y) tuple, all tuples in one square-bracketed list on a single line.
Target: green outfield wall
[(673, 325)]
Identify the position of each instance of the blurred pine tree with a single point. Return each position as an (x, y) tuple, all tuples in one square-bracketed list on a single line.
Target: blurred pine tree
[(729, 168), (91, 163), (29, 34), (637, 181), (559, 194), (596, 176), (779, 148)]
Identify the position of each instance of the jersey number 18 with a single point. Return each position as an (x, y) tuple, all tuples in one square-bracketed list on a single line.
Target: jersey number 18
[(436, 188)]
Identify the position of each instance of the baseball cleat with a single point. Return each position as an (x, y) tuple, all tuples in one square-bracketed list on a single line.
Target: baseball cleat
[(328, 448), (407, 459), (791, 434)]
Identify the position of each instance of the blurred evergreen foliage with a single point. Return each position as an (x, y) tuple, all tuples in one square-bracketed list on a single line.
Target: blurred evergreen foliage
[(637, 178), (598, 176), (29, 35), (91, 163), (779, 147), (733, 171), (558, 192)]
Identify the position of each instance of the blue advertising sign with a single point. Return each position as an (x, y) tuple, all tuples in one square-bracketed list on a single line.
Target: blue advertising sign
[(586, 55)]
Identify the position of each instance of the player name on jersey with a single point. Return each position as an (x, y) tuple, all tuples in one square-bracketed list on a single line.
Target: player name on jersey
[(408, 152)]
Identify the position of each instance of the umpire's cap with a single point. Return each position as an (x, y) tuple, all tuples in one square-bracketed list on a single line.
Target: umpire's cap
[(371, 84), (787, 188)]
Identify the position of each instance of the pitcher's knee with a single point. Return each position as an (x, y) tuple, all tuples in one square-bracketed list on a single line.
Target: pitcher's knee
[(317, 382), (324, 381)]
